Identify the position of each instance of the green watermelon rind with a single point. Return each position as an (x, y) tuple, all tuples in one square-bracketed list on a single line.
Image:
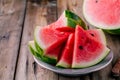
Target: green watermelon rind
[(32, 48), (75, 17), (98, 60), (112, 30), (62, 64), (38, 46), (71, 22), (37, 54)]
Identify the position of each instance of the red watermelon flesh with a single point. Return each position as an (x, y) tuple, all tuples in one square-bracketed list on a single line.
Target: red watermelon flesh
[(61, 27), (103, 14), (66, 57), (97, 34), (87, 50), (55, 52), (48, 39), (66, 29)]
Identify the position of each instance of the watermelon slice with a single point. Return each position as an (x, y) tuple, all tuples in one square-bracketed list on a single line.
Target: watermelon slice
[(87, 50), (103, 14), (47, 40), (68, 19), (66, 57), (36, 53), (98, 34)]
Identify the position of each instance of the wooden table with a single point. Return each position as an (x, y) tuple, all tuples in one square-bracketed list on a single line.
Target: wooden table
[(18, 19)]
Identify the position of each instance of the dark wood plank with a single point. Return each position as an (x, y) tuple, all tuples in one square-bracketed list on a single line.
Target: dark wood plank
[(40, 14), (11, 20)]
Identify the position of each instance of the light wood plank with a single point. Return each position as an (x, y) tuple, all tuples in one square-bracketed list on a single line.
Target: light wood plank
[(37, 15), (11, 20)]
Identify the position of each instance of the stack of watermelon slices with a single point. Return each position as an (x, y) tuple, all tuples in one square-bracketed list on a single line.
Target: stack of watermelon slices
[(65, 43)]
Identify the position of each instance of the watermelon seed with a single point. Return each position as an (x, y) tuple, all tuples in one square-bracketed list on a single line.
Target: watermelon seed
[(80, 47), (92, 34), (96, 1)]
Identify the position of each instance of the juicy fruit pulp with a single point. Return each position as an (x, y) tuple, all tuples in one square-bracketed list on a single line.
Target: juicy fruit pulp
[(87, 50), (103, 14)]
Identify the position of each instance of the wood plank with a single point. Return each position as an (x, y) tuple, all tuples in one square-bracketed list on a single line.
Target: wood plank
[(11, 20), (38, 14), (68, 78)]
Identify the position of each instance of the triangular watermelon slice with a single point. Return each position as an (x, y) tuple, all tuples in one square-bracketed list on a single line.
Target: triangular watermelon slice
[(87, 50), (66, 57), (47, 41)]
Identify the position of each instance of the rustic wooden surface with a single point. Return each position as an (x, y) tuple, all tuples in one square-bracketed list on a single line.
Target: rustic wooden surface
[(18, 19)]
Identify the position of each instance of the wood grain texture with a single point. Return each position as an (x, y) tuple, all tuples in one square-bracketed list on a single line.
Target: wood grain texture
[(36, 15), (11, 20)]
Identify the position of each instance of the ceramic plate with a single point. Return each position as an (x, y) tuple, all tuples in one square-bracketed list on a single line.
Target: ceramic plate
[(77, 72)]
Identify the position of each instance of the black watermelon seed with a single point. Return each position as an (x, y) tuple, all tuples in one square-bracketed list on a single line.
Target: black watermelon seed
[(80, 47), (92, 34), (96, 1)]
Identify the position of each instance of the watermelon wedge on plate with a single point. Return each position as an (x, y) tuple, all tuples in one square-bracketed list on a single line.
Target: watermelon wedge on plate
[(104, 14), (67, 53), (48, 40), (88, 51)]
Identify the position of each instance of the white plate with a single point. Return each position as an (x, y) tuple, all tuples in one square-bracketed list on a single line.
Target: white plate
[(76, 72)]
